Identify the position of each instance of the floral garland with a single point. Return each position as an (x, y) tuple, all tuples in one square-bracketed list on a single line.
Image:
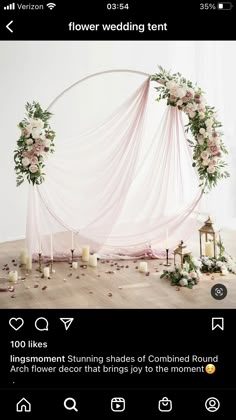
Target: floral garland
[(187, 276), (34, 145), (208, 147)]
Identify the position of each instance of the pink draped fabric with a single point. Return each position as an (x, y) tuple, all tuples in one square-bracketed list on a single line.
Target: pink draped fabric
[(114, 192)]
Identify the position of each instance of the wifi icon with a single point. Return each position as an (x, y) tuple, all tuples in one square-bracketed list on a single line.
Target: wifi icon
[(51, 5)]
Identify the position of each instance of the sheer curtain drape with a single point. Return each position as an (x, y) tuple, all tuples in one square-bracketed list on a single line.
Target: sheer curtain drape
[(118, 186)]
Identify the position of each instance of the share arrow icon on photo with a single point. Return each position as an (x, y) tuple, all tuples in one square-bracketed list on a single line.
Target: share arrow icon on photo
[(67, 322)]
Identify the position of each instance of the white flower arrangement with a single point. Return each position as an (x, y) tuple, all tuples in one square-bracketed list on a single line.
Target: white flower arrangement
[(34, 145), (208, 147), (188, 276)]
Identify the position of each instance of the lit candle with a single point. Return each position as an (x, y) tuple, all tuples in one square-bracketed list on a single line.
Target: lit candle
[(143, 267), (40, 245), (93, 261), (46, 272), (85, 253), (29, 263), (72, 240), (74, 265), (209, 249), (167, 238), (23, 256), (51, 247)]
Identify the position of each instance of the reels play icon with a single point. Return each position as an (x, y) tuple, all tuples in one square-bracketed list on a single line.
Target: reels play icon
[(118, 404)]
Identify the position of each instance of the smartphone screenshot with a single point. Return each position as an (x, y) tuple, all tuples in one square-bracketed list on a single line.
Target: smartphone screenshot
[(118, 210)]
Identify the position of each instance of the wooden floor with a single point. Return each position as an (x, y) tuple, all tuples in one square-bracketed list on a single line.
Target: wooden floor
[(102, 288)]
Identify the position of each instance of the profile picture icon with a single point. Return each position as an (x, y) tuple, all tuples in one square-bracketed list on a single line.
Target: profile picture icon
[(212, 404)]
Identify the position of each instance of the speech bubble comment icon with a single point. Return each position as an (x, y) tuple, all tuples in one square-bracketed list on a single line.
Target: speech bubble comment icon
[(41, 324)]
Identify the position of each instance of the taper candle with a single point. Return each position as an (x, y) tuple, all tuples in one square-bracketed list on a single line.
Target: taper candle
[(51, 247)]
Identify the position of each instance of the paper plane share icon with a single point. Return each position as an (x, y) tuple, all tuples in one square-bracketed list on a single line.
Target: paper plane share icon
[(67, 322)]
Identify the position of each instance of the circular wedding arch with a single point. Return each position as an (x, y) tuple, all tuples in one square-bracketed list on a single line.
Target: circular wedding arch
[(100, 73), (133, 239)]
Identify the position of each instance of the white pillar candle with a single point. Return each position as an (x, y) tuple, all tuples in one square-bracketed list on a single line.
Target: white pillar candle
[(93, 260), (23, 256), (72, 240), (46, 272), (209, 249), (28, 263), (224, 270), (51, 247), (143, 267), (85, 253), (74, 265), (10, 276)]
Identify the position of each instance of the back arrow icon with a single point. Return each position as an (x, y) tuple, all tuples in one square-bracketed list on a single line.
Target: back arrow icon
[(8, 26)]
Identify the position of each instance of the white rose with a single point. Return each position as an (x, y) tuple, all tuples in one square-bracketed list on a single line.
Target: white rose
[(171, 84), (206, 162), (180, 92), (220, 264), (183, 282), (25, 161), (29, 142), (36, 132), (179, 102), (36, 123), (202, 131), (209, 122), (201, 115)]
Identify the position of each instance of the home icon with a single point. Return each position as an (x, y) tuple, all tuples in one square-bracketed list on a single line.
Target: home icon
[(23, 406)]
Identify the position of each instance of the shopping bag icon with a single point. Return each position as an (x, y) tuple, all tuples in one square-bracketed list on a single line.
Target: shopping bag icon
[(165, 405)]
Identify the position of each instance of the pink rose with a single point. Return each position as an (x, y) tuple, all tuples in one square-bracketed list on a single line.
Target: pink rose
[(33, 169), (193, 275), (34, 160), (211, 142), (214, 150), (189, 95), (211, 169), (214, 134), (213, 162)]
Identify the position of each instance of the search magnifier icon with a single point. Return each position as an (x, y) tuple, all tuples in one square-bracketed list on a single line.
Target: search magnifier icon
[(70, 404)]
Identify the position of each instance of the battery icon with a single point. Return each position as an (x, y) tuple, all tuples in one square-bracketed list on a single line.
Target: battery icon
[(224, 6)]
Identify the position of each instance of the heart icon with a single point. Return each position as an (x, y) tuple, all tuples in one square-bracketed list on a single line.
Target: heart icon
[(16, 323)]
